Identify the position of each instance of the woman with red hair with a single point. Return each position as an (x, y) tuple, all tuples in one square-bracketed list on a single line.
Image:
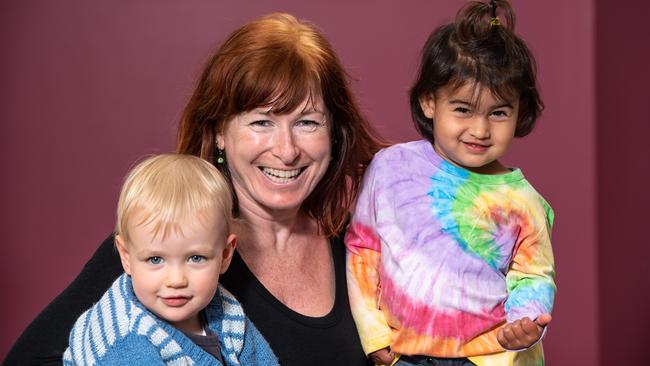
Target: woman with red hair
[(274, 112)]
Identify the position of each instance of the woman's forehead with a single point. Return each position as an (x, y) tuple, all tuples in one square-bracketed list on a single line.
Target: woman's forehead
[(312, 103)]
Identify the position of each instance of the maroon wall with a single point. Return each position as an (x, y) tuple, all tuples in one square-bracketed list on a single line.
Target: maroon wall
[(89, 87), (623, 78)]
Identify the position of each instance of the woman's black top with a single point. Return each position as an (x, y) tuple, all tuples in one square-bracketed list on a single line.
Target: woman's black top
[(296, 339)]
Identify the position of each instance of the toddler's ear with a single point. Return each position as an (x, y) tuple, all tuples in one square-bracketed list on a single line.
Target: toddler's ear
[(428, 105), (124, 253), (227, 253)]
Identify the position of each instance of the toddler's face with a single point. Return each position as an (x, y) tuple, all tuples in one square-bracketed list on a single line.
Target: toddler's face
[(176, 277), (472, 128)]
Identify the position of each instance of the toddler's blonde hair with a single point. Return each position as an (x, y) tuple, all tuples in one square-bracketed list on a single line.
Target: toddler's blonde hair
[(169, 189)]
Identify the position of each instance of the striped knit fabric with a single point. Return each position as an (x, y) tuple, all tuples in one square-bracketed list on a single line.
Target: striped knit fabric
[(439, 258), (119, 330)]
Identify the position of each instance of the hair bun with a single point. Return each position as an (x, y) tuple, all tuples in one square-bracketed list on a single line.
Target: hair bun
[(477, 19)]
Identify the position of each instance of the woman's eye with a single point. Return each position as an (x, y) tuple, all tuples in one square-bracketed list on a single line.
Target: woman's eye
[(260, 124), (308, 125), (196, 258), (155, 260)]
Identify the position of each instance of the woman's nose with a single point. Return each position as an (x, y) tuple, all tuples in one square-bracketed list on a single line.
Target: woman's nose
[(285, 147)]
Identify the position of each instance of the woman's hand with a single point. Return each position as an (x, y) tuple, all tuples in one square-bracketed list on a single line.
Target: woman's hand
[(522, 333), (382, 357)]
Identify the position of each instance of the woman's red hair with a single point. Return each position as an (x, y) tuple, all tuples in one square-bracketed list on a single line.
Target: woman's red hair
[(279, 61)]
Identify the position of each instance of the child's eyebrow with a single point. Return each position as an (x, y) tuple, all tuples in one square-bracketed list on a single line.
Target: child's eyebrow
[(504, 104), (464, 102), (149, 253), (459, 101)]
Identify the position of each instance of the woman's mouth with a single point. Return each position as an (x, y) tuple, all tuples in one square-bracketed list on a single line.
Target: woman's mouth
[(280, 175)]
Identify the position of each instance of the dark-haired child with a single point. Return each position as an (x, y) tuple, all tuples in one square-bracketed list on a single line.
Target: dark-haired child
[(449, 252)]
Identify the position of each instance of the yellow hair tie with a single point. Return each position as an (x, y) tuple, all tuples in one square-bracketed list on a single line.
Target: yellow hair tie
[(495, 21)]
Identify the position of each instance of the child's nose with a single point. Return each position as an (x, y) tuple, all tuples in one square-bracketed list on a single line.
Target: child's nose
[(176, 278), (480, 128)]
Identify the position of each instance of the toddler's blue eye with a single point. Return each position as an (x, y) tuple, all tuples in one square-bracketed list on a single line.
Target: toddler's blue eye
[(154, 260), (197, 258)]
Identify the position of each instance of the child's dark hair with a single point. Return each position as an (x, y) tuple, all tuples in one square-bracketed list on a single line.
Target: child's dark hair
[(480, 48)]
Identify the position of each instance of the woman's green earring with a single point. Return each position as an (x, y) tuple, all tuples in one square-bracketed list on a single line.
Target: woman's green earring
[(220, 159)]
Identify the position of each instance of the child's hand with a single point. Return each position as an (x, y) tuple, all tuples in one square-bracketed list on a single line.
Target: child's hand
[(522, 333), (382, 357)]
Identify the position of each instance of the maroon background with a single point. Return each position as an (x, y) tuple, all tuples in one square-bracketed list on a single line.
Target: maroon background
[(87, 88), (623, 130)]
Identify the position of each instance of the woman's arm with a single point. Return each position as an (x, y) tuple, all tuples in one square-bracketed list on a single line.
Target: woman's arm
[(46, 338)]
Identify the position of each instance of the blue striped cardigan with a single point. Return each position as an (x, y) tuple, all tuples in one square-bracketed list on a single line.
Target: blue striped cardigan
[(119, 330)]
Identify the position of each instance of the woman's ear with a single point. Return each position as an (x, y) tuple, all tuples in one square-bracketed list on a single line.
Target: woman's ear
[(124, 253), (428, 105), (227, 253), (221, 144)]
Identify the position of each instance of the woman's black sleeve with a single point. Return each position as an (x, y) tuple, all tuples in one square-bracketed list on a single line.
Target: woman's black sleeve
[(46, 338)]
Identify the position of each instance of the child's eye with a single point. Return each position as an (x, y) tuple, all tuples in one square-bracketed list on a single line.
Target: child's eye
[(155, 260), (500, 114), (196, 258), (462, 110)]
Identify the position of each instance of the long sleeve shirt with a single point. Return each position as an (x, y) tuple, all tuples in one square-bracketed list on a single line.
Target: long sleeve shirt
[(439, 258)]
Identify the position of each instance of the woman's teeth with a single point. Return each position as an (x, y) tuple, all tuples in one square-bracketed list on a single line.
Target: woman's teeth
[(281, 176)]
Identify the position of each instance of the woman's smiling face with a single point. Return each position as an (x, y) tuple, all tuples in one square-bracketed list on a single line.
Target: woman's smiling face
[(276, 160)]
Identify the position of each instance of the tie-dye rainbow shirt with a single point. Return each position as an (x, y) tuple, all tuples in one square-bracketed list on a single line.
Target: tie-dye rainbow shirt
[(439, 257)]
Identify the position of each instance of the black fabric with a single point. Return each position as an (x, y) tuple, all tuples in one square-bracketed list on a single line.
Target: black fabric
[(46, 338), (296, 339)]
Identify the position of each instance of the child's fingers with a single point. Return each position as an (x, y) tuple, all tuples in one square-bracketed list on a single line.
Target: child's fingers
[(527, 332), (531, 328), (519, 334), (543, 320), (531, 331), (507, 336), (502, 340)]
